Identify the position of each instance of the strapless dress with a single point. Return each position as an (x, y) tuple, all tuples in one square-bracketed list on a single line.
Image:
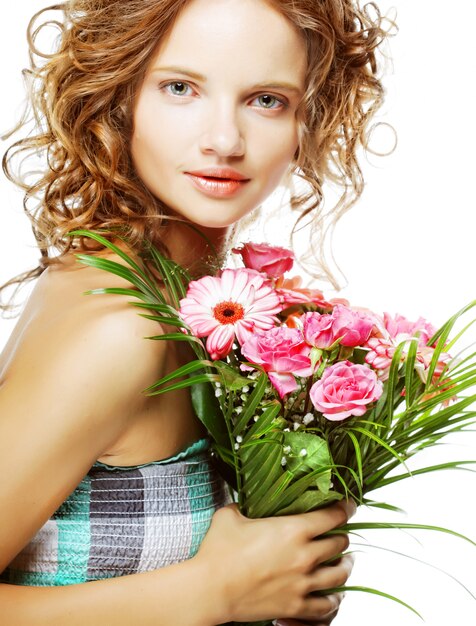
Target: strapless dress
[(125, 520)]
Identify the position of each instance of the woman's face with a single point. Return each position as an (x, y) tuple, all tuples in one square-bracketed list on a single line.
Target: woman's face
[(221, 92)]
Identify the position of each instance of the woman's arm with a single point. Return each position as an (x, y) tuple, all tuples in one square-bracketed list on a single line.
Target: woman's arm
[(71, 385), (183, 594)]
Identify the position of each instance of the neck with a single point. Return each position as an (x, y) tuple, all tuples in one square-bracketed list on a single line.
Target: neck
[(196, 248)]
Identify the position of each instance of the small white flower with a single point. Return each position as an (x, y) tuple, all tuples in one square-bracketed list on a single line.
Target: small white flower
[(239, 438), (286, 430), (237, 445), (307, 419), (296, 425), (218, 392), (245, 389), (238, 409), (287, 449), (283, 460), (303, 452), (256, 418), (217, 385), (244, 397)]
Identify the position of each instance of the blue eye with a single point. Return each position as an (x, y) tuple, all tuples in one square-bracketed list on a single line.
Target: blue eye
[(267, 100), (182, 87)]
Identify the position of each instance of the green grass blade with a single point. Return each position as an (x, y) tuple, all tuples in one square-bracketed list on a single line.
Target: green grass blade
[(126, 292), (167, 276), (358, 455), (250, 407), (107, 244), (189, 382), (424, 470), (374, 592), (413, 558), (176, 337), (352, 526), (410, 389), (119, 270), (184, 370)]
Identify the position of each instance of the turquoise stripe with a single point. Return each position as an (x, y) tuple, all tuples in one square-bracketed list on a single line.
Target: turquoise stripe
[(201, 501), (201, 445), (74, 536)]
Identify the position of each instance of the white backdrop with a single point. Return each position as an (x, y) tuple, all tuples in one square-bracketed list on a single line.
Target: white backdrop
[(407, 247)]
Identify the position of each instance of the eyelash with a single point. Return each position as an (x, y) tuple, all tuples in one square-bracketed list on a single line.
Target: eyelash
[(181, 82)]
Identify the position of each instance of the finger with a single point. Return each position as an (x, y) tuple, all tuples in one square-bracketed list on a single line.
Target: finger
[(321, 608), (328, 547), (328, 577), (321, 521), (305, 622)]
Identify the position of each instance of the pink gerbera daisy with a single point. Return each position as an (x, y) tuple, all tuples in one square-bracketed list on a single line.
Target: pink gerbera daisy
[(232, 304)]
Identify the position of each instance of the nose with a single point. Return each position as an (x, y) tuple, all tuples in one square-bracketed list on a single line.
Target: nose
[(222, 134)]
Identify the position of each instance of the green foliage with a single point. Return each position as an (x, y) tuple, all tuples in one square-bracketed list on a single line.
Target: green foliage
[(253, 446)]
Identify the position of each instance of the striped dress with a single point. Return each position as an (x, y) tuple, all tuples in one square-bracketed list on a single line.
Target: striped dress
[(123, 520)]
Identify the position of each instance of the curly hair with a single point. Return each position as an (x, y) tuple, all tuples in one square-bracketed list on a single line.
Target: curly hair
[(82, 94)]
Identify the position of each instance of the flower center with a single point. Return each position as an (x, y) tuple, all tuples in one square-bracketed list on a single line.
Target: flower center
[(228, 312)]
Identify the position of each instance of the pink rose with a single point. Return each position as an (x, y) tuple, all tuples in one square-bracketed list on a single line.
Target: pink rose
[(291, 292), (400, 328), (283, 354), (318, 330), (353, 328), (272, 260), (345, 389)]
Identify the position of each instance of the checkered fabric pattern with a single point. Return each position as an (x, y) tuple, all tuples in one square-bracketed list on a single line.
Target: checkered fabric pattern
[(121, 521)]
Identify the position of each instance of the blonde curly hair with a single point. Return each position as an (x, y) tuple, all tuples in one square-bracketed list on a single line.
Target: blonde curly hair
[(81, 96)]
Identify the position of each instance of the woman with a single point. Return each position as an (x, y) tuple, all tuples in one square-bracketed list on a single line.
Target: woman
[(170, 121)]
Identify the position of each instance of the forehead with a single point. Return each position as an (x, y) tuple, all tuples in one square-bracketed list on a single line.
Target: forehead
[(243, 39)]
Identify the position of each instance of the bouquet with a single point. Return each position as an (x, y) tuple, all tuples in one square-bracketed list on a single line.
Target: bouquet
[(307, 400)]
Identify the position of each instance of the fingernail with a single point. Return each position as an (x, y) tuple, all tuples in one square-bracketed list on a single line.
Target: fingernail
[(351, 507)]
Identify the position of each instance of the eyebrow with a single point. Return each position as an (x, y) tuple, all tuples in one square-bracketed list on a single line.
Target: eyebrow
[(271, 85)]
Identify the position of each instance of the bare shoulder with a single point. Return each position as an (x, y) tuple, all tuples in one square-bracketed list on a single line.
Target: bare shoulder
[(61, 318), (71, 381)]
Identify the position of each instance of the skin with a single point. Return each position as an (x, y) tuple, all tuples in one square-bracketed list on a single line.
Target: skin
[(226, 119), (73, 349)]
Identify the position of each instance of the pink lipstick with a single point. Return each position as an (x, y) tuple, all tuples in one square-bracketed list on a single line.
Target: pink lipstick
[(218, 182)]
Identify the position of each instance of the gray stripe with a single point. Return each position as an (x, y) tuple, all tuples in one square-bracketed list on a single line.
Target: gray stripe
[(117, 523)]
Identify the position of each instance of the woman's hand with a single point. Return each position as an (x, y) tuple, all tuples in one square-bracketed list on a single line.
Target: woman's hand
[(274, 565), (342, 567)]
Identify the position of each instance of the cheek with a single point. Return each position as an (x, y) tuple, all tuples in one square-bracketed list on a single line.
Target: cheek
[(275, 152)]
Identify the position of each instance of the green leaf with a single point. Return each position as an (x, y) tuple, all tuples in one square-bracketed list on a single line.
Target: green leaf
[(184, 370), (119, 270), (250, 406), (352, 526), (358, 455), (410, 389), (424, 470), (181, 384), (264, 422), (374, 592), (107, 244), (310, 500), (208, 411), (176, 337), (134, 293), (231, 379), (407, 556), (317, 457)]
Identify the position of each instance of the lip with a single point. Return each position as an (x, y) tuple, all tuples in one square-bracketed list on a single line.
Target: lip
[(219, 172), (216, 188)]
